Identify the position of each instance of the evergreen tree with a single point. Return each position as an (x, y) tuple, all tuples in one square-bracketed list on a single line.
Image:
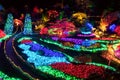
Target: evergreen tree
[(27, 25), (8, 29)]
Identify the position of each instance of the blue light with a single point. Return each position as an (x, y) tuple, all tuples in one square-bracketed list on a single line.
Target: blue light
[(1, 7), (47, 58), (24, 47), (89, 25), (88, 43), (76, 46), (87, 28), (112, 27), (38, 60), (47, 52)]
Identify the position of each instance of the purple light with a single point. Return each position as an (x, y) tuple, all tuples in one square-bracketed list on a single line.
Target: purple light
[(117, 54), (76, 41), (86, 35)]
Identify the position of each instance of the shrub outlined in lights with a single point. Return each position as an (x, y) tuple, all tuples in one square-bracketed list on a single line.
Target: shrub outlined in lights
[(9, 24)]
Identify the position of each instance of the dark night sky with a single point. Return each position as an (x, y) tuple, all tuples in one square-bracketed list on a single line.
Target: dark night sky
[(19, 4), (46, 3)]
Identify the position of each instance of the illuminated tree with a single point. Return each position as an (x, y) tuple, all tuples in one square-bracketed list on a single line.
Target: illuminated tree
[(27, 25), (8, 29)]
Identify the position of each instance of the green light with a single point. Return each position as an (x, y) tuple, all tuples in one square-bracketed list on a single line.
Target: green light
[(6, 77), (4, 38), (23, 39), (103, 65)]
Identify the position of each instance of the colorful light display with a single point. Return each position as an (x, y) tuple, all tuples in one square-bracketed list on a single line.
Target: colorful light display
[(8, 29), (62, 72), (62, 50)]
